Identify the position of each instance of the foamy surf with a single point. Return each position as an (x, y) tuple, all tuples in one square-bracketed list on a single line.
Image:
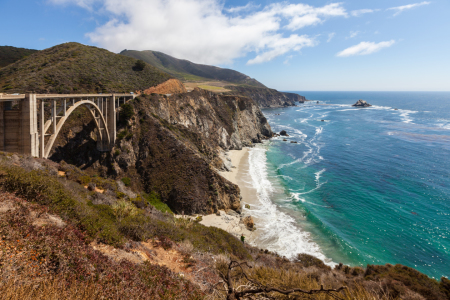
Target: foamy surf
[(278, 231)]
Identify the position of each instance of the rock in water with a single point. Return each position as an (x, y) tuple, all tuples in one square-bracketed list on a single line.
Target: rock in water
[(283, 133), (361, 103)]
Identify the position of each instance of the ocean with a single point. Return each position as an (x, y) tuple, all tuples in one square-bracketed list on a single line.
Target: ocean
[(361, 185)]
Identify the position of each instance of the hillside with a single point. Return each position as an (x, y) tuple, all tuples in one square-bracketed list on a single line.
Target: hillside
[(216, 79), (9, 55), (76, 68), (186, 70), (68, 234)]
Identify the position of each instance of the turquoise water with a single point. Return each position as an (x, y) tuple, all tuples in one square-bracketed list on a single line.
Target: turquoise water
[(367, 186)]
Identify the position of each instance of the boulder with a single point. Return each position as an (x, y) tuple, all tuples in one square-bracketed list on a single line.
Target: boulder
[(248, 221), (283, 133), (92, 186), (121, 187), (361, 103)]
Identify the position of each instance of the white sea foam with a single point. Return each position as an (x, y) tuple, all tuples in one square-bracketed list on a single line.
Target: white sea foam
[(379, 107), (443, 123), (295, 197), (279, 232), (405, 115), (318, 174)]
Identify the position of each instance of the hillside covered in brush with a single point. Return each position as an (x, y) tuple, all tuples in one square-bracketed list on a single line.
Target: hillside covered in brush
[(76, 68), (186, 70), (70, 234), (9, 55)]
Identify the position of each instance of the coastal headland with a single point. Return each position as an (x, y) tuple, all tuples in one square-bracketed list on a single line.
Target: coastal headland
[(104, 225)]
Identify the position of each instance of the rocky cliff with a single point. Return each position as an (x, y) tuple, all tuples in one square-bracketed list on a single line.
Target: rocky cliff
[(171, 146), (267, 97)]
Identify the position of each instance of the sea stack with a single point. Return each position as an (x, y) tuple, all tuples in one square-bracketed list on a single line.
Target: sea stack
[(361, 103)]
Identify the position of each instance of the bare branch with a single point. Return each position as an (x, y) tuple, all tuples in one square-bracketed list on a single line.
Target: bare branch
[(234, 294)]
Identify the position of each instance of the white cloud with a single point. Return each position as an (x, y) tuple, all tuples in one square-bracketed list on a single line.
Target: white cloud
[(281, 46), (331, 36), (236, 9), (353, 34), (400, 9), (203, 30), (365, 48), (360, 12)]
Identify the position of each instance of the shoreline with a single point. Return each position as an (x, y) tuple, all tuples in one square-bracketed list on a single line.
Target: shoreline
[(231, 221)]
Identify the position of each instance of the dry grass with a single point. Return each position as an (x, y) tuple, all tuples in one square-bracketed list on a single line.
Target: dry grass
[(49, 289)]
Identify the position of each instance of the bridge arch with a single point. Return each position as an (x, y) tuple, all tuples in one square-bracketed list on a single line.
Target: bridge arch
[(100, 122)]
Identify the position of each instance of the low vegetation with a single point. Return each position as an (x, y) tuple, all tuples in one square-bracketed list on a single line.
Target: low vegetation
[(75, 68), (9, 55), (43, 260), (110, 220)]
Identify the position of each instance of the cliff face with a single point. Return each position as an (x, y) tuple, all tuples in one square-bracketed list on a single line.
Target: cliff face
[(267, 97), (295, 97), (171, 146), (229, 122)]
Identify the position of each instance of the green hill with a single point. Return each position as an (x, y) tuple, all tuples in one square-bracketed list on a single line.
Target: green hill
[(9, 55), (76, 68), (187, 71)]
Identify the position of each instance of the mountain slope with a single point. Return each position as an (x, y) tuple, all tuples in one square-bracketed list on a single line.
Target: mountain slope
[(186, 70), (9, 55), (76, 68)]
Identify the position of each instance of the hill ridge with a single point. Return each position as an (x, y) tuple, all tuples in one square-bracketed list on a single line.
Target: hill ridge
[(186, 70)]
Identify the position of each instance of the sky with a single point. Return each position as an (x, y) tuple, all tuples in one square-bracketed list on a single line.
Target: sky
[(311, 45)]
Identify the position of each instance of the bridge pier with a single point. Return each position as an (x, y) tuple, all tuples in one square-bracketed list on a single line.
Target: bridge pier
[(111, 119), (29, 143), (18, 127), (2, 127)]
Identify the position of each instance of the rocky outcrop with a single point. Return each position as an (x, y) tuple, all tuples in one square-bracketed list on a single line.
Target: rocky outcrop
[(230, 122), (361, 103), (295, 97), (267, 97), (172, 146), (171, 86)]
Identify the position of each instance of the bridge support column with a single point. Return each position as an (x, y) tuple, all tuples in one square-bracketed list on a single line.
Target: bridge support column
[(2, 128), (111, 119), (29, 137)]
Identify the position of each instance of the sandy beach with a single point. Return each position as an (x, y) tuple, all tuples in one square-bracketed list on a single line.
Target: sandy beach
[(231, 221)]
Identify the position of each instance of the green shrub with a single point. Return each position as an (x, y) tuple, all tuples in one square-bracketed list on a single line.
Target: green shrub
[(126, 181), (84, 180), (122, 134), (139, 65), (126, 113), (155, 200)]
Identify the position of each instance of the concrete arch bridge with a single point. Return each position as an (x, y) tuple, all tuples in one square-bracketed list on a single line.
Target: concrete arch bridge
[(25, 129)]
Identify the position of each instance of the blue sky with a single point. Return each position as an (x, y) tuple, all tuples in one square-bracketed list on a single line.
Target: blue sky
[(372, 45)]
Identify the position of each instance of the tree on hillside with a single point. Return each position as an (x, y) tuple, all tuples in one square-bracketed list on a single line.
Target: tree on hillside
[(140, 65)]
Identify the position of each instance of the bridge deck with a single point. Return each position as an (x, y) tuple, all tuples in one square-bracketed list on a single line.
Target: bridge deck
[(4, 98)]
